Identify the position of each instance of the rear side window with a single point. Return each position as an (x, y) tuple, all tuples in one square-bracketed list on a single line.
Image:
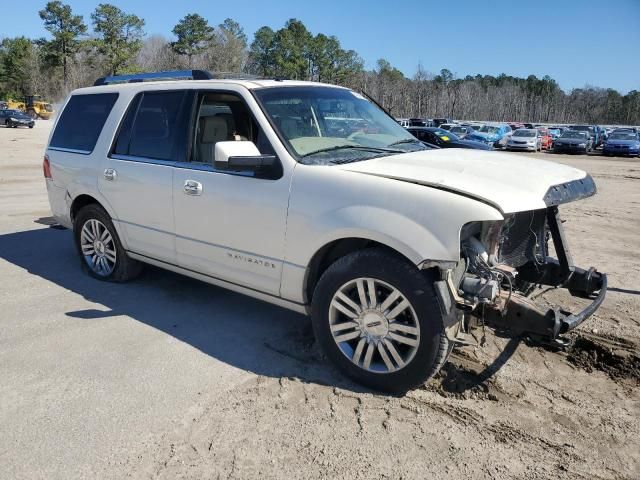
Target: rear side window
[(82, 120), (153, 126)]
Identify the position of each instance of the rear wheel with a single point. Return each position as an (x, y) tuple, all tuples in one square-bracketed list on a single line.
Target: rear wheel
[(375, 315), (99, 247)]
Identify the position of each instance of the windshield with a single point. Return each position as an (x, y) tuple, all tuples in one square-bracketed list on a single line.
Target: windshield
[(623, 136), (13, 112), (325, 125), (574, 134), (459, 129), (524, 133), (582, 128), (489, 129)]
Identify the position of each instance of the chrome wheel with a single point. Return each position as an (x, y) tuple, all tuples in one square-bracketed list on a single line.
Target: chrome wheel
[(98, 247), (374, 325)]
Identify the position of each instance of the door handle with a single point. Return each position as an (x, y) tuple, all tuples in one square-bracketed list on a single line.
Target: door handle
[(191, 187), (110, 174)]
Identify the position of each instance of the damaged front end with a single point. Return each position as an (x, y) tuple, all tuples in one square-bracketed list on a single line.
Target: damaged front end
[(503, 262)]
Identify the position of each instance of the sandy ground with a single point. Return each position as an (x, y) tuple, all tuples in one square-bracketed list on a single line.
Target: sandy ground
[(169, 378)]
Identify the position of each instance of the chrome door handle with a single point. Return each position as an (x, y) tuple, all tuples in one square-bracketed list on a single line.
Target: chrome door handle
[(110, 174), (191, 187)]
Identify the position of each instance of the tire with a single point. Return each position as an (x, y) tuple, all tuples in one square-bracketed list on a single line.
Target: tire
[(419, 323), (30, 126), (111, 267)]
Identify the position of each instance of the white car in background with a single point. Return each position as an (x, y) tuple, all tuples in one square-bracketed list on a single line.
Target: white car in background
[(525, 139), (310, 197)]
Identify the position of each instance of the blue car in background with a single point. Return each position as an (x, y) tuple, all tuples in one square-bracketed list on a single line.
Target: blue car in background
[(555, 132), (622, 143), (492, 135)]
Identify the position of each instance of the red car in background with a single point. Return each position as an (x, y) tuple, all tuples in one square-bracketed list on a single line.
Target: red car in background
[(546, 140)]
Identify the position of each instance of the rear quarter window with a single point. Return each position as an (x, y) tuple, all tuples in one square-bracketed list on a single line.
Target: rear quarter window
[(81, 121)]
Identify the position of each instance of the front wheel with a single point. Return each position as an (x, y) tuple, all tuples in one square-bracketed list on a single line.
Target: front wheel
[(376, 317), (99, 247)]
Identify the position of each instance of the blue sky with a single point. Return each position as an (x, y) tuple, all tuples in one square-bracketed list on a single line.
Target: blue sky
[(575, 42)]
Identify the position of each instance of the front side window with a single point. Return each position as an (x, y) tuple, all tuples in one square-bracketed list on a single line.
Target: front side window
[(326, 125), (223, 117), (81, 121), (154, 127)]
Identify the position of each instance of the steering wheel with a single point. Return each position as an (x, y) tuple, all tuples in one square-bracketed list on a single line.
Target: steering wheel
[(354, 135)]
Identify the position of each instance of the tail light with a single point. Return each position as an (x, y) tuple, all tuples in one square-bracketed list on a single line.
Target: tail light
[(46, 167)]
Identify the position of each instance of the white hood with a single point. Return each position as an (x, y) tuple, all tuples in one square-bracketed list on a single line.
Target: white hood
[(511, 183)]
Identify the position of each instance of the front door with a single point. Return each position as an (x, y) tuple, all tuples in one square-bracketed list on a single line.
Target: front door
[(229, 224), (137, 176)]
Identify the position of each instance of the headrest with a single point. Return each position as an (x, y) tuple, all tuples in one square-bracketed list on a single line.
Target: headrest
[(214, 129)]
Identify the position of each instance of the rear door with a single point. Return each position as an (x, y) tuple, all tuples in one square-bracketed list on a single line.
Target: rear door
[(137, 175)]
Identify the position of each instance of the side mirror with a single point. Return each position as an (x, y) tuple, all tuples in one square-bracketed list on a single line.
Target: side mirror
[(242, 155)]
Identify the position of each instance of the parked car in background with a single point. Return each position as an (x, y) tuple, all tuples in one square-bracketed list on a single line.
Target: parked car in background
[(448, 126), (444, 139), (624, 142), (527, 139), (419, 122), (492, 135), (573, 141), (516, 125), (15, 119), (555, 132), (439, 121), (546, 140), (626, 129), (529, 125), (404, 122), (461, 131), (591, 131)]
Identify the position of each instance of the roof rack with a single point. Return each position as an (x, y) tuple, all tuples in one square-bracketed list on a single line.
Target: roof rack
[(173, 75), (155, 76)]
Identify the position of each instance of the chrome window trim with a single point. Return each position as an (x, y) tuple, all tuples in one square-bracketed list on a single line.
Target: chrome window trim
[(71, 150), (133, 158)]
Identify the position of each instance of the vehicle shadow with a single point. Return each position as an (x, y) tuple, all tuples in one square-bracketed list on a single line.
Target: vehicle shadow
[(240, 331), (235, 329)]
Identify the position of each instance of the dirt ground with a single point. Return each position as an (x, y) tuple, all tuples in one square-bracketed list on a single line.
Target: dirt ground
[(169, 378)]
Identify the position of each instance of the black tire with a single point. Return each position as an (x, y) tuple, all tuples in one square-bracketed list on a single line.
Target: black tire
[(416, 286), (30, 126), (125, 268)]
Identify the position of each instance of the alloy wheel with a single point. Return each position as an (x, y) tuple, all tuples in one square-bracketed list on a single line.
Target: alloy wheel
[(98, 247), (374, 325)]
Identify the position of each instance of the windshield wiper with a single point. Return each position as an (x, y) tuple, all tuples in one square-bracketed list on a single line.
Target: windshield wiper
[(405, 140), (356, 147)]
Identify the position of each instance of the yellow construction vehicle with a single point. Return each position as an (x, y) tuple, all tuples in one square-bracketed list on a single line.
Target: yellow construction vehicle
[(33, 106)]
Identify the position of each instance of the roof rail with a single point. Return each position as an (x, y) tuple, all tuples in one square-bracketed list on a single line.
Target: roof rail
[(155, 76)]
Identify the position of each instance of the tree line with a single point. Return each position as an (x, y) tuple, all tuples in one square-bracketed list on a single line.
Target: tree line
[(114, 42)]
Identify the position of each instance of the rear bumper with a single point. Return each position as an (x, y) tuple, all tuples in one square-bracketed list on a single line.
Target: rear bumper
[(60, 203)]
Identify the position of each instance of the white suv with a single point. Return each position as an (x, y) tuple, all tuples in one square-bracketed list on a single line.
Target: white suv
[(311, 197)]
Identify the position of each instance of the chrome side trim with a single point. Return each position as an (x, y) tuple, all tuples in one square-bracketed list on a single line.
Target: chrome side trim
[(281, 302), (70, 150)]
